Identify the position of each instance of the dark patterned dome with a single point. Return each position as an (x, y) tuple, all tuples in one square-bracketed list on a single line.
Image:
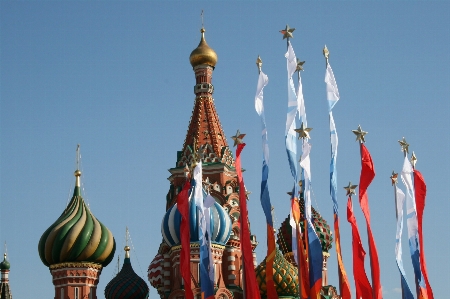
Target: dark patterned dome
[(77, 236), (284, 236), (127, 284), (285, 277)]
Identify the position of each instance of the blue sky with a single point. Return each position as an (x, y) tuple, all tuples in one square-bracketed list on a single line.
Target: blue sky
[(115, 78)]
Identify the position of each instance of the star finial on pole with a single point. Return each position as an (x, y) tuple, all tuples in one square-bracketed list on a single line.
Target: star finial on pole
[(360, 134), (350, 189), (299, 65), (259, 63), (303, 132), (404, 145), (287, 32), (326, 54), (238, 138), (413, 160), (394, 178)]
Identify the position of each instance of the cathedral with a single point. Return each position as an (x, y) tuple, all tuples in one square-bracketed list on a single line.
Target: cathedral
[(77, 245)]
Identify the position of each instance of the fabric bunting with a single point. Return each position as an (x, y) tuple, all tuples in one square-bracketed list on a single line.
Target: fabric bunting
[(333, 97), (421, 191), (367, 176), (411, 222), (203, 203), (265, 197), (251, 288), (314, 246), (406, 291), (185, 254), (362, 284), (291, 146)]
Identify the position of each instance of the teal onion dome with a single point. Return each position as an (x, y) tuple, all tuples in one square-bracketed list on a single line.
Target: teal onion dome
[(220, 224), (77, 236), (127, 284), (5, 264)]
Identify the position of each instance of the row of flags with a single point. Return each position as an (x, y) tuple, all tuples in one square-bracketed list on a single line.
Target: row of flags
[(306, 245), (310, 288)]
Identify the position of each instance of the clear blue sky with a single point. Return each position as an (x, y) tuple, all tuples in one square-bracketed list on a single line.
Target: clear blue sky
[(115, 78)]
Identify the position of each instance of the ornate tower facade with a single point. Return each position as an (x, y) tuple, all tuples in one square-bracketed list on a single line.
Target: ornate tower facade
[(76, 247), (205, 138)]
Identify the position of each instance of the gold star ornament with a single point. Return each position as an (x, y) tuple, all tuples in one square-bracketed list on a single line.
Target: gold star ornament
[(303, 132), (394, 178), (299, 65), (287, 32), (404, 145), (238, 138), (359, 134), (350, 189)]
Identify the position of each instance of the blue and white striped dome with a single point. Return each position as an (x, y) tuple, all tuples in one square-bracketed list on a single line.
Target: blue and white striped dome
[(220, 224)]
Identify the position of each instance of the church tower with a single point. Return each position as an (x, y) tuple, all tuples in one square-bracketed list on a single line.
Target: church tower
[(76, 247), (5, 291), (205, 139)]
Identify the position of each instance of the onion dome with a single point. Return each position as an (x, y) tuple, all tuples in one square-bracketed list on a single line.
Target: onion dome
[(155, 272), (5, 264), (77, 236), (284, 236), (203, 54), (127, 284), (285, 277), (220, 224)]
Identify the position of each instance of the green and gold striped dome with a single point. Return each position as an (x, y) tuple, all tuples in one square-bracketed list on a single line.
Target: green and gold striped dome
[(77, 236)]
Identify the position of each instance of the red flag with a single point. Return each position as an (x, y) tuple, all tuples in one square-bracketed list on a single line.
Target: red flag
[(251, 286), (363, 288), (344, 286), (185, 253), (303, 260), (271, 291), (367, 176), (420, 189)]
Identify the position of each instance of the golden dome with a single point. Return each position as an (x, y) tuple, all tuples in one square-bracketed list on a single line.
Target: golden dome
[(203, 54)]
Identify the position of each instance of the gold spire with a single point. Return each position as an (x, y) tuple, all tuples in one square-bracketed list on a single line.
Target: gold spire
[(127, 248), (78, 172), (203, 54)]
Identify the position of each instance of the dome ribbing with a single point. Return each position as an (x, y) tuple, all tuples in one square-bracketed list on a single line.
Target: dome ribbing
[(127, 284), (77, 236), (220, 224)]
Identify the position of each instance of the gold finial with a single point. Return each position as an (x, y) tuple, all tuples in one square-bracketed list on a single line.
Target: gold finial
[(360, 134), (127, 248), (350, 189), (394, 178), (77, 172), (326, 54), (404, 145), (299, 65), (303, 132), (238, 138), (259, 63), (287, 32), (413, 160)]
